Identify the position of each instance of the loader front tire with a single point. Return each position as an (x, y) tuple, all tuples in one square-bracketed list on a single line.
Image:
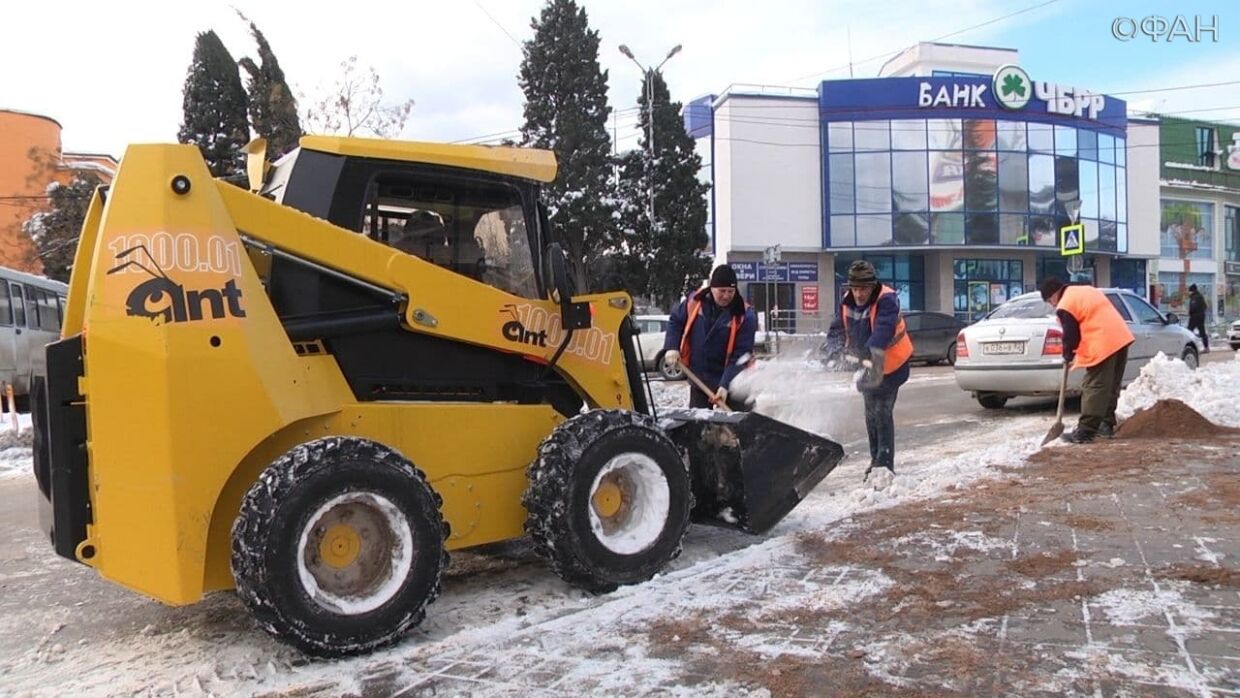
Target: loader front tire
[(608, 499), (339, 546)]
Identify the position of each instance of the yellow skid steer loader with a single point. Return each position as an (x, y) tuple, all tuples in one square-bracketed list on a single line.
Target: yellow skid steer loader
[(312, 390)]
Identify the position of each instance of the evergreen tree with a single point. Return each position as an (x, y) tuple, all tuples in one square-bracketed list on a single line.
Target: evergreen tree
[(272, 106), (566, 112), (55, 232), (666, 258), (214, 107)]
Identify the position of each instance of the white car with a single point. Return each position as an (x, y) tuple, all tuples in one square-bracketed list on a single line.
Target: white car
[(1018, 348), (1233, 335), (652, 329)]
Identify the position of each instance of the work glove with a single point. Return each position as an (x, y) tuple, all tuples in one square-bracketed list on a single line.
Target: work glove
[(721, 396), (671, 358), (873, 370)]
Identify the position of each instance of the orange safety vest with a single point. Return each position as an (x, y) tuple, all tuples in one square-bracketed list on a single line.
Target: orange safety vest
[(1103, 330), (901, 346), (694, 307)]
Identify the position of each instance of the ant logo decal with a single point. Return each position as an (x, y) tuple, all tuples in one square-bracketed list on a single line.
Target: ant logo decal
[(514, 331), (163, 300)]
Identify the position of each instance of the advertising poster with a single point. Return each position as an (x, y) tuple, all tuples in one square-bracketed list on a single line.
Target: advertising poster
[(809, 298), (998, 294), (979, 297)]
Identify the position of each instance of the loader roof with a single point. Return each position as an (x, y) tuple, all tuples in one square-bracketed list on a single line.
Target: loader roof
[(528, 163)]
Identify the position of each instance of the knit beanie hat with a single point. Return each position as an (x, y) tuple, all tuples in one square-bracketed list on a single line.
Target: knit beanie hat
[(723, 277)]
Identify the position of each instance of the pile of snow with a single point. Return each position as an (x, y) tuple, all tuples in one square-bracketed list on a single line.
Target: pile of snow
[(15, 446), (1213, 389)]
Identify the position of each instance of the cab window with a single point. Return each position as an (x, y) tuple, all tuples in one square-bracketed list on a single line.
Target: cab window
[(475, 228)]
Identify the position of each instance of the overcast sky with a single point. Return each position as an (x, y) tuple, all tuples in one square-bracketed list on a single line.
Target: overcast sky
[(112, 72)]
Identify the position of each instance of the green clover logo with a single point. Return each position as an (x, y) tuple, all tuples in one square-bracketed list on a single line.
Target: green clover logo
[(1012, 84), (1012, 87)]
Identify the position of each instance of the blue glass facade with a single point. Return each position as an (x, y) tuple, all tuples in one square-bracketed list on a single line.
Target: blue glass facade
[(939, 161)]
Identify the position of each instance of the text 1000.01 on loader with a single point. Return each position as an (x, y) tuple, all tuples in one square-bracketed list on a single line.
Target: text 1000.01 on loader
[(310, 391)]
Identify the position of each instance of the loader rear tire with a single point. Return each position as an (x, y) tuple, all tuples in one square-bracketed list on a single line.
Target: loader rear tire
[(608, 499), (339, 546)]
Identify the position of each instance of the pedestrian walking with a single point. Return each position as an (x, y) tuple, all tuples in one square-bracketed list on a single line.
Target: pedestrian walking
[(1197, 316)]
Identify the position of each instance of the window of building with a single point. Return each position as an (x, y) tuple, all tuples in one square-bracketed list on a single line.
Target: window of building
[(1129, 274), (1187, 229), (1231, 233), (981, 285), (1205, 146), (982, 182), (1173, 286)]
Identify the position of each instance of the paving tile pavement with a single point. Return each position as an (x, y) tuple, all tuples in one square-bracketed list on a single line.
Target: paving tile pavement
[(1104, 570)]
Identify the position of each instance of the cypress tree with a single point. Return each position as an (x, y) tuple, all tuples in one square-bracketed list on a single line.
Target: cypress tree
[(566, 112), (55, 232), (214, 106), (272, 106)]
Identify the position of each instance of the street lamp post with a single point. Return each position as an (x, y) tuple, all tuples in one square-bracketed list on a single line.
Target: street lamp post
[(648, 91)]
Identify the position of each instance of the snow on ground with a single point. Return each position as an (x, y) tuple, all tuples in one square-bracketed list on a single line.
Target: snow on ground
[(15, 446), (516, 614), (1213, 390)]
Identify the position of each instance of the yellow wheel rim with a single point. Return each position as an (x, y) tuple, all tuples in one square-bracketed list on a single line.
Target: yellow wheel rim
[(340, 546), (607, 499)]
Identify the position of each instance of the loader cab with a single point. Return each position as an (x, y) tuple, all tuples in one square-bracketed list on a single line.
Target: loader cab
[(469, 209), (483, 225)]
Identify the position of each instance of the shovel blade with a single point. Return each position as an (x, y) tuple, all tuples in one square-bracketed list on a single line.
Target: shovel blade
[(748, 470), (1054, 433)]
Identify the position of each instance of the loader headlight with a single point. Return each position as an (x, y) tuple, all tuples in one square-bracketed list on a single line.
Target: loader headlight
[(180, 185)]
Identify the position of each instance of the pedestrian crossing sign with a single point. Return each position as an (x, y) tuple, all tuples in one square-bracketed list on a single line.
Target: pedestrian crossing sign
[(1072, 240)]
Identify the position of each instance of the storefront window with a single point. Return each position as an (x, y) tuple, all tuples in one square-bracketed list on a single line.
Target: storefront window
[(1187, 229), (981, 285), (1129, 274), (1173, 291)]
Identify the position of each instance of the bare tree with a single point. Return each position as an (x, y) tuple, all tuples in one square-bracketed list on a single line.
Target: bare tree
[(353, 105)]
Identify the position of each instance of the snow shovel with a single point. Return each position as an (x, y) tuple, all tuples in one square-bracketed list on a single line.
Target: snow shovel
[(722, 404), (1057, 427)]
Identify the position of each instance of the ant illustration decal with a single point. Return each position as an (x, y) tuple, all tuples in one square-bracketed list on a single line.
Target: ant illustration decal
[(164, 301)]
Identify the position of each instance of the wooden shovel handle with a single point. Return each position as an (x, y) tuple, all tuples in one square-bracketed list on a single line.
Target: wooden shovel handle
[(698, 382)]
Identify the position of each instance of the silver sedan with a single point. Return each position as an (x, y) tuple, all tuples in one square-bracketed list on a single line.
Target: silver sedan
[(1018, 348)]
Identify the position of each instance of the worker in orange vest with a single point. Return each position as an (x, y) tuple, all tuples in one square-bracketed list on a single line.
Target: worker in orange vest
[(872, 332), (1095, 338), (712, 332)]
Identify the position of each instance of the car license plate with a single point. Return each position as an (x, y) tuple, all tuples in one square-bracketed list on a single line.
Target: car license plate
[(1003, 347)]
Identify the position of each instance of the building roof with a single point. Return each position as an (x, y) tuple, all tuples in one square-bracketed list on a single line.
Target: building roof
[(37, 116)]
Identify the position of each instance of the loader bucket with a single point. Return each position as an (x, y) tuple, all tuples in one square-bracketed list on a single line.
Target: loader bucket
[(748, 470)]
